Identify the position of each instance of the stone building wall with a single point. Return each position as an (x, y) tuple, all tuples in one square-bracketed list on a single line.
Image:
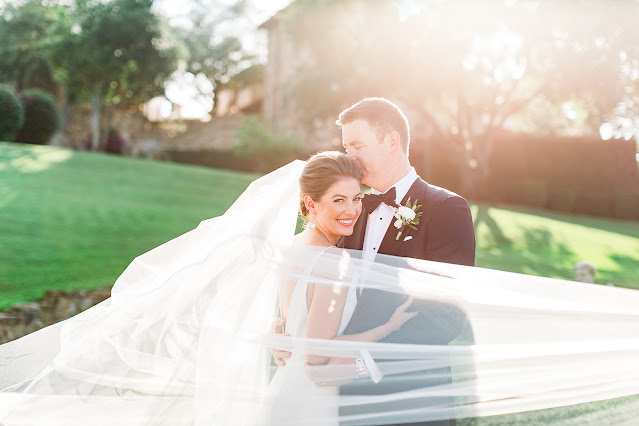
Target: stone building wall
[(144, 138)]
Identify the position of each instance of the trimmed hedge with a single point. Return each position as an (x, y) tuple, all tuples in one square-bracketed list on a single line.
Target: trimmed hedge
[(626, 204), (583, 175), (267, 147), (42, 117), (11, 114), (529, 192), (561, 199)]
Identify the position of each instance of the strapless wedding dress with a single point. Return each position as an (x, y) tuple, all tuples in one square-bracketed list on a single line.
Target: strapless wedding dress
[(294, 398)]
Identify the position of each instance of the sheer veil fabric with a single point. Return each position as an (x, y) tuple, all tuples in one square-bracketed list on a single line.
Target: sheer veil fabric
[(185, 337)]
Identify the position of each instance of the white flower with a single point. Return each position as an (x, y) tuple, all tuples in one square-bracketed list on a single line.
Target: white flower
[(406, 212), (406, 216)]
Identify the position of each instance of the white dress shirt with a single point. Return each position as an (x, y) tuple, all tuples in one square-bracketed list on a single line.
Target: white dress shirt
[(380, 219), (378, 222)]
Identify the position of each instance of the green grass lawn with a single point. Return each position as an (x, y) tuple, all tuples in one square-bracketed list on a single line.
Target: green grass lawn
[(75, 220), (71, 220), (540, 242)]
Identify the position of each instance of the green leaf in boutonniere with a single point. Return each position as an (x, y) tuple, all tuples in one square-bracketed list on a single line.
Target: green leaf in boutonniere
[(407, 216)]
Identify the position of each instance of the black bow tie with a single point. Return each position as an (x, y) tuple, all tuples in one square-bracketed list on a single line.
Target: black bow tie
[(371, 201)]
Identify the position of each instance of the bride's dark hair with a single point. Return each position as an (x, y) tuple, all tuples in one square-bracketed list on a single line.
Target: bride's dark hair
[(321, 171)]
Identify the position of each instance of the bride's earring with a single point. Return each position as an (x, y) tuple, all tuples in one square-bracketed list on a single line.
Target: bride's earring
[(313, 225)]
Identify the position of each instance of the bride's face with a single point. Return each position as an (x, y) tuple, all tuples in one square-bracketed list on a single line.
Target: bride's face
[(338, 209)]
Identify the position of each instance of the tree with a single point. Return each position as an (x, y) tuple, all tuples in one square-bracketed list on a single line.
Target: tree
[(116, 52), (468, 68), (220, 58), (28, 31), (106, 52)]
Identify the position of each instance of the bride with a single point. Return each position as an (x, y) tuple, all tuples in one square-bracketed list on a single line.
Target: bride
[(331, 203), (186, 336)]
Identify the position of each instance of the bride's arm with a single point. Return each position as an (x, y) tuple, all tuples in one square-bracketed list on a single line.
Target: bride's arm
[(325, 314), (339, 371), (399, 317)]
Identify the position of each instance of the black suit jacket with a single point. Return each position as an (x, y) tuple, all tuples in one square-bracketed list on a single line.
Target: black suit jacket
[(445, 234)]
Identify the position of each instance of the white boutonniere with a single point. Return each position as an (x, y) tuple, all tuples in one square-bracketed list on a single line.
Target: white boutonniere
[(406, 216)]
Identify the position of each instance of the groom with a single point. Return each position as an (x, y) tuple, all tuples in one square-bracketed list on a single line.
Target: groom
[(376, 133)]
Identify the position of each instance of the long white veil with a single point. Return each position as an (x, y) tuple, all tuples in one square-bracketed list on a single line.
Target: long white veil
[(186, 337)]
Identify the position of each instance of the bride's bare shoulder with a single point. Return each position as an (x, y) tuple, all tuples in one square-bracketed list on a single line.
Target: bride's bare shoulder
[(306, 238)]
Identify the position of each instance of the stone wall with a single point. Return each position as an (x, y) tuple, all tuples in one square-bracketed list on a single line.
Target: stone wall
[(144, 138), (22, 319)]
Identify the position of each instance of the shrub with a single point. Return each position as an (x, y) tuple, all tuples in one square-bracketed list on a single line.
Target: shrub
[(561, 199), (626, 204), (594, 203), (11, 114), (493, 191), (529, 192), (265, 146), (41, 117)]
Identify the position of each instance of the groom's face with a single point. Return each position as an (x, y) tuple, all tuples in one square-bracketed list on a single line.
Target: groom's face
[(363, 145)]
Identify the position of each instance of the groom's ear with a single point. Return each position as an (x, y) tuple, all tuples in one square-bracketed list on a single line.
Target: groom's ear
[(394, 141)]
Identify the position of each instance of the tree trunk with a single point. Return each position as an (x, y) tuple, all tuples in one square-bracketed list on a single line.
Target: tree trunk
[(96, 116), (67, 110)]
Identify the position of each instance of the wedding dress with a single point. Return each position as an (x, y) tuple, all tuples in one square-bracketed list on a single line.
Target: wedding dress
[(293, 397), (186, 338)]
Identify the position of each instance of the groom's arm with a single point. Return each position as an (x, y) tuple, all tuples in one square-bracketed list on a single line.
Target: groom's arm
[(451, 234)]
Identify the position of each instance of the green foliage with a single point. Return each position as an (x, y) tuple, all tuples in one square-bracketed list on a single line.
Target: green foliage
[(529, 192), (41, 117), (626, 204), (123, 52), (561, 199), (596, 203), (11, 114), (265, 146), (31, 31), (108, 52), (122, 48)]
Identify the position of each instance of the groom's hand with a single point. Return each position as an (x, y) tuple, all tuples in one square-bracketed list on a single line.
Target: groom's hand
[(279, 355)]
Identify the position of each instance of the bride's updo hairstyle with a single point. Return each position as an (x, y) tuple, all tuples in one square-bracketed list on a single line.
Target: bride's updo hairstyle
[(321, 171)]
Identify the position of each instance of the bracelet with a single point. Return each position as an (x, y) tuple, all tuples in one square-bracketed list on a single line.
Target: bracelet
[(361, 371)]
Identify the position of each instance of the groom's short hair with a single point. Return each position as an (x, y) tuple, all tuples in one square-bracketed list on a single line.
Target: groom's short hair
[(382, 115)]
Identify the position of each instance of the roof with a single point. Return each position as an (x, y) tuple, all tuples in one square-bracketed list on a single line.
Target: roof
[(270, 21)]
